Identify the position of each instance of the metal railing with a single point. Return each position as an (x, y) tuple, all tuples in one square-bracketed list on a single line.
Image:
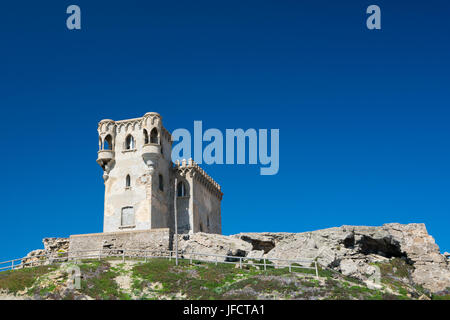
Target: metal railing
[(77, 256)]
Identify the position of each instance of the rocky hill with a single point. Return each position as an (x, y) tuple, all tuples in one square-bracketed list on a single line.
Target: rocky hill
[(393, 261), (350, 250)]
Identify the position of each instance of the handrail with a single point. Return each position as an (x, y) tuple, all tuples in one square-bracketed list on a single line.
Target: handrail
[(75, 255)]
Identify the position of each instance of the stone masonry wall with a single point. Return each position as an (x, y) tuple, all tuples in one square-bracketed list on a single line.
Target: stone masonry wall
[(157, 240)]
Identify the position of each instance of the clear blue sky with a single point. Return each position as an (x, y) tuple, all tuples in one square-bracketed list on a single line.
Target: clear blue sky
[(363, 115)]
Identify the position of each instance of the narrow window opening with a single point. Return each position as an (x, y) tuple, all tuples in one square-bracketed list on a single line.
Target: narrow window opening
[(181, 189), (154, 136), (161, 183), (145, 136), (129, 142), (128, 182)]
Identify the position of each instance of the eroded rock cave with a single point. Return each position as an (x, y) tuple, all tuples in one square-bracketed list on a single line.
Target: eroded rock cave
[(259, 244), (384, 246)]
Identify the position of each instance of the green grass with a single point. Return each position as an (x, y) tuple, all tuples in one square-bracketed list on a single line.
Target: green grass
[(203, 281), (161, 278), (395, 267), (98, 281), (17, 280), (440, 297)]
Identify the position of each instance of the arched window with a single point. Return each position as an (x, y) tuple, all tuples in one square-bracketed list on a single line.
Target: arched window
[(128, 182), (161, 182), (145, 136), (154, 136), (107, 144), (129, 142), (181, 190)]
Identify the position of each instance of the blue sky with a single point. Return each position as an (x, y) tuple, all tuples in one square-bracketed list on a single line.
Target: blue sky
[(363, 115)]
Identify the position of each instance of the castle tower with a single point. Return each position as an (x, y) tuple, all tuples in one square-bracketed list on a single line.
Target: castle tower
[(139, 177)]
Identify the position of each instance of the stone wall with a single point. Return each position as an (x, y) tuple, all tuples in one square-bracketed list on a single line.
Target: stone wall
[(159, 241), (206, 209)]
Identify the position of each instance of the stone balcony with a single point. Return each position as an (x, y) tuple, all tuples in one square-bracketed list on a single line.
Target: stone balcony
[(104, 156), (151, 153)]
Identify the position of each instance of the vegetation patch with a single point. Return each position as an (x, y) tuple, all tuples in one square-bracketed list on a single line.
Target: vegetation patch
[(97, 281), (396, 267), (162, 279), (18, 280)]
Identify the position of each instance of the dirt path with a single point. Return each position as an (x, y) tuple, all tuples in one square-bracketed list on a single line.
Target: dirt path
[(124, 279)]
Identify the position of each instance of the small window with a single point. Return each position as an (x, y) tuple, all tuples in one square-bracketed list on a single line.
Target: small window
[(127, 218), (128, 182), (161, 182), (154, 136), (181, 190), (145, 136), (129, 142)]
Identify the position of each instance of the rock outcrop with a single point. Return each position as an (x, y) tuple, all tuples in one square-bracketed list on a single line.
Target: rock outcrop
[(351, 250), (54, 249), (214, 244)]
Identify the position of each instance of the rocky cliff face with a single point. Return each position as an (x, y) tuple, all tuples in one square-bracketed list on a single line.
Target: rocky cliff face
[(351, 250)]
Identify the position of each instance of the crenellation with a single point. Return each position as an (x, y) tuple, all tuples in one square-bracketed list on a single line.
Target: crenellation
[(202, 176)]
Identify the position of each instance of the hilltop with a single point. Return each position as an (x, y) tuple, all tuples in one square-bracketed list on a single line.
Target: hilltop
[(393, 261), (161, 279)]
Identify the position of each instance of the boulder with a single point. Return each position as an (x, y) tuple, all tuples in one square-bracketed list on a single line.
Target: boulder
[(259, 241), (33, 256), (215, 244), (256, 254)]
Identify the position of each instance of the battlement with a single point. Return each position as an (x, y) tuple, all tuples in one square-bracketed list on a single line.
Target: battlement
[(197, 172), (150, 119)]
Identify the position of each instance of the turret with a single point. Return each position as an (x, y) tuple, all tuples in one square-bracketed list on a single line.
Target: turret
[(151, 151), (107, 136)]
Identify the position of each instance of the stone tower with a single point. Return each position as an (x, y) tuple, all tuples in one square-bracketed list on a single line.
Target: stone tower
[(139, 176)]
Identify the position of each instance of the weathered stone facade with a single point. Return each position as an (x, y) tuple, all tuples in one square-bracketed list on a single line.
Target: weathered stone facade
[(139, 177)]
